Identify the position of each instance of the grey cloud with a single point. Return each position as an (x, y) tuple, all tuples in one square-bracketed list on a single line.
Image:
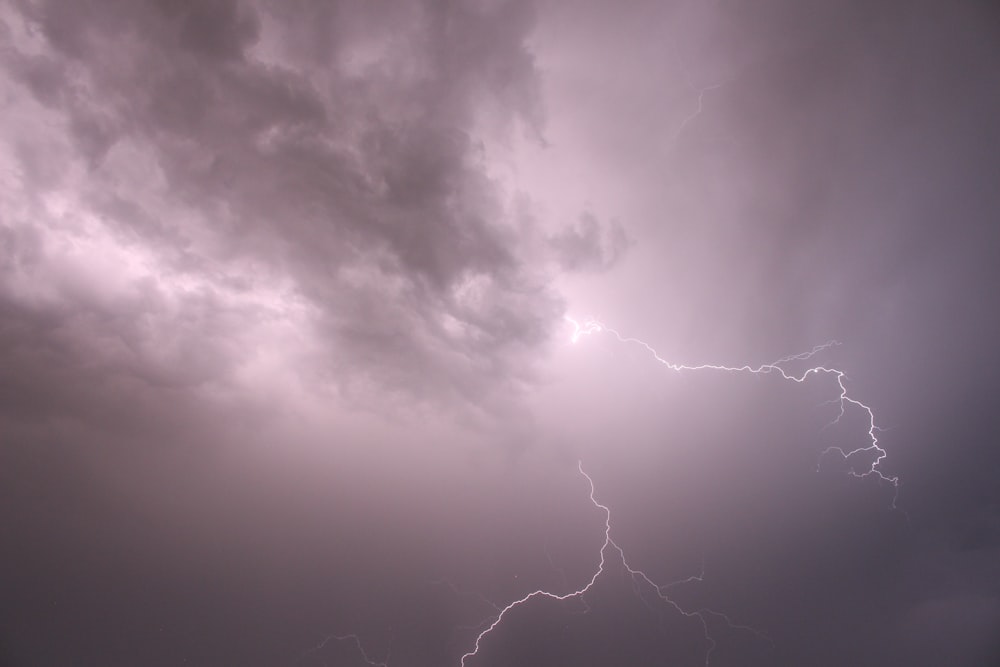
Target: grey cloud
[(365, 188), (213, 30), (260, 279)]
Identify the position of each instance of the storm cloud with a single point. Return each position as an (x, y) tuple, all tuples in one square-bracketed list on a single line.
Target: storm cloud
[(284, 356), (319, 150)]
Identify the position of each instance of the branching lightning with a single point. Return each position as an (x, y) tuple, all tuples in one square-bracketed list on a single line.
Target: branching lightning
[(610, 549), (638, 577), (843, 399)]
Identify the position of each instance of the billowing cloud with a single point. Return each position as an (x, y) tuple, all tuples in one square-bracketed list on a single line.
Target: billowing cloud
[(283, 354), (313, 154)]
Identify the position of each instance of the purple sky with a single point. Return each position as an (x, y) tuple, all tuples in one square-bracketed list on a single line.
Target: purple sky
[(284, 356)]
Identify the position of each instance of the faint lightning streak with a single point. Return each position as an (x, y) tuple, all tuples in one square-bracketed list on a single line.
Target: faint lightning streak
[(844, 400), (697, 112), (552, 564), (357, 643), (700, 577), (464, 593), (460, 592), (636, 574)]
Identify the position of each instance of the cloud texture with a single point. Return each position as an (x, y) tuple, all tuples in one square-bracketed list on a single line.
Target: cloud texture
[(283, 352)]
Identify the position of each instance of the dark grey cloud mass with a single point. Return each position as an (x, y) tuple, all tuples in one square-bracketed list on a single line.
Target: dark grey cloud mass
[(283, 354)]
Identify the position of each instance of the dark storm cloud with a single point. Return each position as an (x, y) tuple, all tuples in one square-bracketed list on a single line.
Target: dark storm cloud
[(360, 182), (260, 272), (204, 207)]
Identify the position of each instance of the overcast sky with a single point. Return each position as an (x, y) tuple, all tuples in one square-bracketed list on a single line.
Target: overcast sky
[(286, 374)]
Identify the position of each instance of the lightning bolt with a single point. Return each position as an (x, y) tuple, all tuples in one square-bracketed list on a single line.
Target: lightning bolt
[(638, 578), (844, 400)]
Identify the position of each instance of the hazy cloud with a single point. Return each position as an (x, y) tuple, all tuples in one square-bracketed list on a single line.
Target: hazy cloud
[(587, 246)]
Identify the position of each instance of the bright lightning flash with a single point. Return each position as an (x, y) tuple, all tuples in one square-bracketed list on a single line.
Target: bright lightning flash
[(640, 579), (844, 400)]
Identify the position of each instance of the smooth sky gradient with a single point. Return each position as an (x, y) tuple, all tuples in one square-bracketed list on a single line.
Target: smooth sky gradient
[(284, 356)]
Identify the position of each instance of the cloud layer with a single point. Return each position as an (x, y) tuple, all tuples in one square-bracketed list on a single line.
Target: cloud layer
[(282, 348), (204, 168)]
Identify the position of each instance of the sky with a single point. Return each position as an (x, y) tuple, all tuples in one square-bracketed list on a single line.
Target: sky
[(291, 366)]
